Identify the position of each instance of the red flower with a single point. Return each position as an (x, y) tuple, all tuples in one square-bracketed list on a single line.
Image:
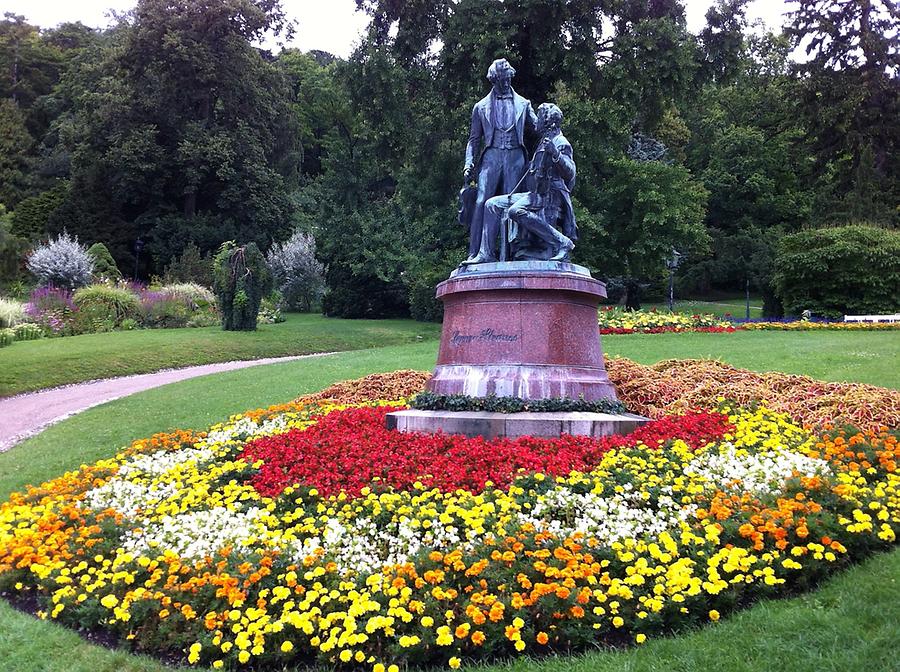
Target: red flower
[(346, 450)]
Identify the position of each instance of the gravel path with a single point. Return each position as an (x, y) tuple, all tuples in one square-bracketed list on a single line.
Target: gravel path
[(27, 414)]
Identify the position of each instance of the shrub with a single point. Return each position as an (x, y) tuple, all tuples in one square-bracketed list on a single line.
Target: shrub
[(163, 310), (296, 272), (241, 280), (53, 309), (106, 305), (62, 262), (7, 337), (190, 267), (197, 296), (32, 216), (12, 312), (27, 332), (104, 265), (838, 271), (270, 310), (13, 249)]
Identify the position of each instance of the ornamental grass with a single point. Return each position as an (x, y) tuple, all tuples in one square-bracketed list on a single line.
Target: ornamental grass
[(675, 385), (307, 533)]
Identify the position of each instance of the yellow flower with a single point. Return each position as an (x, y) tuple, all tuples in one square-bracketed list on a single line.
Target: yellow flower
[(287, 646), (109, 601), (454, 663), (713, 615), (640, 638)]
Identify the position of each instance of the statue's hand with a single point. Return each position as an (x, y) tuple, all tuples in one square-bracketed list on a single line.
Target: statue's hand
[(551, 148), (467, 171)]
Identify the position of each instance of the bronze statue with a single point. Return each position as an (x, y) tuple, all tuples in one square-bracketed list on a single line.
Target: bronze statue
[(540, 223), (499, 123)]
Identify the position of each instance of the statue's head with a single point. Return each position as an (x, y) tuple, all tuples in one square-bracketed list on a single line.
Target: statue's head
[(500, 74), (549, 117)]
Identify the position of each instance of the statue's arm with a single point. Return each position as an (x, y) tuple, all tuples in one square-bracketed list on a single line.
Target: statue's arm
[(531, 120), (475, 133), (566, 163)]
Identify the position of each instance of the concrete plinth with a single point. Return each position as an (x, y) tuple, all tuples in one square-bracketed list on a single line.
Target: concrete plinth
[(521, 329), (512, 425)]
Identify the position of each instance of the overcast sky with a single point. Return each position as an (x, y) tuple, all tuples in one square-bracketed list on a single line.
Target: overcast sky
[(329, 25)]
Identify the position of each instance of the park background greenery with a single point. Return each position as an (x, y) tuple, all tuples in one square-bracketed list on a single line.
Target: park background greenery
[(171, 127)]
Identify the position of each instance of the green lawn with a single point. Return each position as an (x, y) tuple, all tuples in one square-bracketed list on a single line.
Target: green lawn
[(34, 365), (850, 624), (736, 307)]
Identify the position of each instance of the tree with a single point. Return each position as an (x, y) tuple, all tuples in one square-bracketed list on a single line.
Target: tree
[(649, 208), (104, 266), (840, 270), (15, 143), (179, 127), (851, 100), (241, 280)]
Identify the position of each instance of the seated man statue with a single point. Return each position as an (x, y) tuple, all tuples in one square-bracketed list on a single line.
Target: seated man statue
[(533, 216)]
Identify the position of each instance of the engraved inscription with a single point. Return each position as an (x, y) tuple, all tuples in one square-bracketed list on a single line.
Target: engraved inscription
[(485, 336)]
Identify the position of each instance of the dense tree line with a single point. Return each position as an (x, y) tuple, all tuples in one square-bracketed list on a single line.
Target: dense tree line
[(171, 128)]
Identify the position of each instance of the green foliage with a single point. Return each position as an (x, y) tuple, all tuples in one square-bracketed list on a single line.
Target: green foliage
[(7, 337), (850, 102), (649, 208), (33, 216), (270, 310), (190, 267), (241, 279), (103, 307), (104, 265), (843, 270), (12, 251), (180, 130), (15, 143), (27, 332), (429, 401), (165, 311)]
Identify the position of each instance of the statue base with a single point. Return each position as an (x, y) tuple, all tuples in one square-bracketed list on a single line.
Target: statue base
[(524, 329), (513, 425)]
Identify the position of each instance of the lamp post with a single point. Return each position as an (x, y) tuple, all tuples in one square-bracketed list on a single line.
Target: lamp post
[(138, 246), (747, 295), (672, 263)]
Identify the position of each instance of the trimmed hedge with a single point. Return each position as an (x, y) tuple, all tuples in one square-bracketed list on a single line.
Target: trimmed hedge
[(838, 271), (428, 401)]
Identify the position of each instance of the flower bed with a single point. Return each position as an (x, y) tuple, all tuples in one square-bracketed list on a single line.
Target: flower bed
[(308, 532), (810, 325), (615, 320)]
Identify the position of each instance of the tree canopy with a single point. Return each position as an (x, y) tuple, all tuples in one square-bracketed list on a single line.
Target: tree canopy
[(175, 129)]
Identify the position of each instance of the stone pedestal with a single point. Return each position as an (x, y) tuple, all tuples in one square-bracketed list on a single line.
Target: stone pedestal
[(521, 329), (513, 425)]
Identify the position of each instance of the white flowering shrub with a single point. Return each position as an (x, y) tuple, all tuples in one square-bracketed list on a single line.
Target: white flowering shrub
[(298, 275), (62, 262)]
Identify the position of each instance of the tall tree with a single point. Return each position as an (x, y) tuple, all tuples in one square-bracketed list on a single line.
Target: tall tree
[(851, 101), (181, 127)]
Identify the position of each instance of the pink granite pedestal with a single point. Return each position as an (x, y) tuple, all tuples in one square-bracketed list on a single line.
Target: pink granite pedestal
[(521, 329)]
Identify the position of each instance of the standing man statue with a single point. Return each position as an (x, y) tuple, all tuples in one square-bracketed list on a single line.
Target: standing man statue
[(542, 220), (499, 120)]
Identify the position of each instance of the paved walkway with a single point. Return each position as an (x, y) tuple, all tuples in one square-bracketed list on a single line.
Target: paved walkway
[(27, 414)]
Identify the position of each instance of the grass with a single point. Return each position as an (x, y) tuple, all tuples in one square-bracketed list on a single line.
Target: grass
[(34, 365), (864, 356), (735, 307), (850, 624)]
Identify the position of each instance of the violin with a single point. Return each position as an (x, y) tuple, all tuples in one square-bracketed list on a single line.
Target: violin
[(541, 169)]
